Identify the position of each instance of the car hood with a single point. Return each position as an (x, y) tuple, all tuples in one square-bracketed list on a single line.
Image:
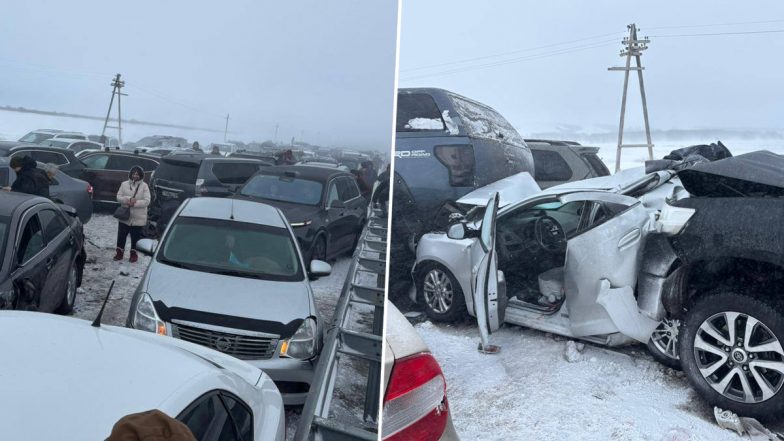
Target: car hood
[(256, 300), (759, 173), (510, 190)]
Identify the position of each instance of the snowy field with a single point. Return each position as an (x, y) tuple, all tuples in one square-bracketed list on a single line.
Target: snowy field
[(100, 270), (547, 387)]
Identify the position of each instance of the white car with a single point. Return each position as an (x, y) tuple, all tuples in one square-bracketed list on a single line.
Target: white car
[(415, 402), (65, 379)]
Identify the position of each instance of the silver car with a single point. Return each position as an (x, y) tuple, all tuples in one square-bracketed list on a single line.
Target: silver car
[(228, 274), (565, 260)]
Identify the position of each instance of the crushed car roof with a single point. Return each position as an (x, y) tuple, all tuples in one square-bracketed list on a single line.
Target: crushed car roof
[(754, 174)]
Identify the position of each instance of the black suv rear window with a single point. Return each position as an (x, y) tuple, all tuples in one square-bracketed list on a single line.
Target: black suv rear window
[(177, 171), (418, 112), (550, 166), (598, 166), (234, 172)]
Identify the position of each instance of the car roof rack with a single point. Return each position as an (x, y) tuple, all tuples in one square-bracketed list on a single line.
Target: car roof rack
[(363, 288)]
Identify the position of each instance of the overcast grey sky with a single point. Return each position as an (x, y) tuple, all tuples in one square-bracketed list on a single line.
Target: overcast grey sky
[(692, 82), (321, 70)]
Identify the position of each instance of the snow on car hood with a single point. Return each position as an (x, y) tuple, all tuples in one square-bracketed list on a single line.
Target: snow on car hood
[(510, 189), (759, 173)]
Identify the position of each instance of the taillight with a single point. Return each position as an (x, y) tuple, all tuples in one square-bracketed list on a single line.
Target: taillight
[(90, 190), (415, 405)]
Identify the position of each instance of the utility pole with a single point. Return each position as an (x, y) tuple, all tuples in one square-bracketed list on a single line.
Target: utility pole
[(226, 131), (633, 47), (275, 139), (117, 85)]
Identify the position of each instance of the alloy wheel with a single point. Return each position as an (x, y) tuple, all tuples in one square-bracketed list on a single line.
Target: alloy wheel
[(438, 291), (71, 287), (665, 338), (739, 357)]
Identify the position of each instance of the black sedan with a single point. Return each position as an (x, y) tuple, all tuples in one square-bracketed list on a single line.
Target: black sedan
[(43, 254), (322, 204)]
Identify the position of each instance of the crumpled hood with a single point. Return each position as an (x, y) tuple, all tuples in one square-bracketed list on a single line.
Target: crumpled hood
[(510, 190), (759, 173), (282, 302)]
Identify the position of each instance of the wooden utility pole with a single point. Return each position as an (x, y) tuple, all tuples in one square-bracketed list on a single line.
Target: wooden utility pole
[(633, 47), (117, 85)]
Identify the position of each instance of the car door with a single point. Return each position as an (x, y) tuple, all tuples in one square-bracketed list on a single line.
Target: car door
[(336, 217), (95, 173), (489, 286), (60, 251), (355, 208), (601, 267), (31, 261)]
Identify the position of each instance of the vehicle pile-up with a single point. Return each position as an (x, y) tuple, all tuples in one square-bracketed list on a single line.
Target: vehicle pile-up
[(243, 227)]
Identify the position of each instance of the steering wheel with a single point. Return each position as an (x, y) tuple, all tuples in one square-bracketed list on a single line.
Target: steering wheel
[(549, 234)]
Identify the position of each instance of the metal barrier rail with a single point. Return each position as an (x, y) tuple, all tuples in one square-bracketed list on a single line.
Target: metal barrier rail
[(315, 423)]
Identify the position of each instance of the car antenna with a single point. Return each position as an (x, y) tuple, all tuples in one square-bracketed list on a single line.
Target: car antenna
[(231, 216), (97, 321)]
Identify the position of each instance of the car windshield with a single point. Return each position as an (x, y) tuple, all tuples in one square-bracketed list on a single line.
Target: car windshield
[(35, 137), (284, 189), (231, 248)]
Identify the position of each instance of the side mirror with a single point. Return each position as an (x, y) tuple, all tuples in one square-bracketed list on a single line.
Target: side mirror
[(319, 268), (456, 231), (337, 204), (147, 246)]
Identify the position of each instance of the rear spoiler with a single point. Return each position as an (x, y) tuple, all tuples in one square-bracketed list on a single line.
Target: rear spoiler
[(583, 150)]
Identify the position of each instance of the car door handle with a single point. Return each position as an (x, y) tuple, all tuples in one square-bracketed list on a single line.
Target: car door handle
[(629, 239), (49, 263)]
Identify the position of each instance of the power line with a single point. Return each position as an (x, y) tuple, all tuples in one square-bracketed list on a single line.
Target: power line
[(775, 31), (467, 60), (515, 60), (739, 23)]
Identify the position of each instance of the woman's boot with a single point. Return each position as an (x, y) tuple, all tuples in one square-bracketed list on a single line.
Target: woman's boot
[(119, 254), (134, 257)]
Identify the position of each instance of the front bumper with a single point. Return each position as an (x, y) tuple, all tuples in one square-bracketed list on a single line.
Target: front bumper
[(292, 377)]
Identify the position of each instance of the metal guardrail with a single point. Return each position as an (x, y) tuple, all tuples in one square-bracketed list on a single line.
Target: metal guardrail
[(315, 423)]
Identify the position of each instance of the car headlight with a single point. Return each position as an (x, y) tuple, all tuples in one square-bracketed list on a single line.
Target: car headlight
[(302, 344), (145, 317), (301, 224)]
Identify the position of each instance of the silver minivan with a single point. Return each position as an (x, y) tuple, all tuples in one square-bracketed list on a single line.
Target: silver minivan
[(228, 274)]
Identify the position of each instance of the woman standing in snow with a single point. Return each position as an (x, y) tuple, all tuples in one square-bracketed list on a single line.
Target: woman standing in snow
[(134, 194)]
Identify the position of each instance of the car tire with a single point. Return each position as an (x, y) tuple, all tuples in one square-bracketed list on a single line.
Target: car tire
[(441, 293), (663, 344), (66, 307), (707, 320)]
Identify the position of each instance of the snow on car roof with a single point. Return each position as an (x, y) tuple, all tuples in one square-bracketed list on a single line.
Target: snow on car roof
[(233, 209), (80, 379)]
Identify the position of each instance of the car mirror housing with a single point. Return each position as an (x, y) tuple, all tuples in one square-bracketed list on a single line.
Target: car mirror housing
[(147, 246), (456, 231), (319, 268)]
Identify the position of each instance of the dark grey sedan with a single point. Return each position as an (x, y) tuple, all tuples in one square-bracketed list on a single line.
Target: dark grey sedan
[(64, 189)]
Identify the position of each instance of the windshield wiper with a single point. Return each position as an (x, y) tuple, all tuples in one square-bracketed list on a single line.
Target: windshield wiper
[(178, 264), (236, 273)]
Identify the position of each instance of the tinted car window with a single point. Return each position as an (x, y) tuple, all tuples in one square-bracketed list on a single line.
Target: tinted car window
[(234, 173), (121, 162), (460, 161), (209, 420), (283, 189), (550, 166), (333, 193), (53, 224), (45, 157), (146, 164), (599, 168), (32, 241), (178, 171), (97, 162), (347, 189), (242, 417), (418, 112), (4, 176)]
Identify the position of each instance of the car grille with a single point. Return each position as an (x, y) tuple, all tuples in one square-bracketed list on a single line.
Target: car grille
[(245, 346)]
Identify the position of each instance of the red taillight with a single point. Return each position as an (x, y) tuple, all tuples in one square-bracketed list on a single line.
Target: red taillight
[(90, 190), (415, 405)]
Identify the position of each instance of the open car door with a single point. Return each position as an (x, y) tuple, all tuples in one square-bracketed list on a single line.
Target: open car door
[(602, 264), (489, 287)]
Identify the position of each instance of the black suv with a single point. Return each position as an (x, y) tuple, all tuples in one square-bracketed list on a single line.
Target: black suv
[(446, 146), (64, 159), (322, 204), (183, 175)]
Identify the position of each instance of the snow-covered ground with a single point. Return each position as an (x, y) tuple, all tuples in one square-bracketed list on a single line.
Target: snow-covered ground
[(100, 270), (545, 387)]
